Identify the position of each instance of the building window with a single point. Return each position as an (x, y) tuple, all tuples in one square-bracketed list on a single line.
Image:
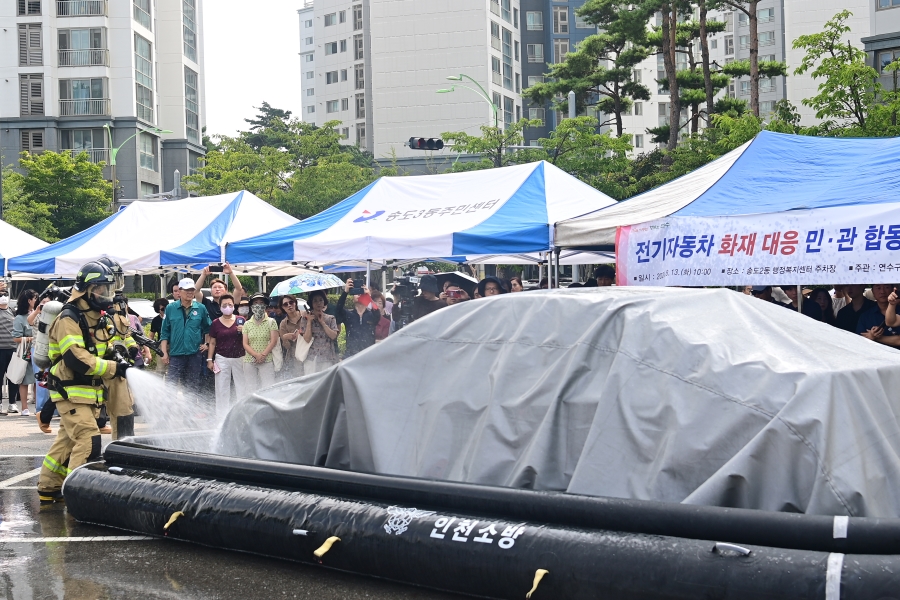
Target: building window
[(713, 44), (888, 4), (189, 16), (639, 141), (90, 141), (31, 50), (331, 77), (359, 72), (141, 12), (518, 113), (342, 16), (504, 10), (496, 74), (560, 19), (767, 58), (361, 135), (345, 133), (358, 47), (729, 21), (560, 49), (636, 76), (311, 91), (31, 94), (745, 88), (343, 45), (345, 104), (310, 74), (330, 19), (309, 57), (507, 59), (81, 47), (536, 114), (343, 74), (767, 38), (533, 79), (148, 189), (32, 140), (308, 41), (766, 107), (192, 105), (360, 106), (743, 20), (497, 99), (147, 151), (331, 48), (495, 7), (766, 15), (729, 44), (495, 36), (81, 97), (535, 53), (885, 58), (332, 106), (534, 20), (357, 17), (516, 18), (744, 42), (507, 110), (143, 78), (766, 84), (311, 109), (28, 8), (307, 23), (581, 23), (518, 83), (638, 108), (516, 51)]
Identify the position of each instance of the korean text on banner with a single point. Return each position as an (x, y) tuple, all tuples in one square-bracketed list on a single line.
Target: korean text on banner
[(840, 245)]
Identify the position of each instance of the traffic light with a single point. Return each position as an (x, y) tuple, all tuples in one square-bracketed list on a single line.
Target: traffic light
[(425, 143)]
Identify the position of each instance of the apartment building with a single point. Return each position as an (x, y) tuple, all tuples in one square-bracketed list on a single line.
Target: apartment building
[(73, 70), (883, 43), (381, 68)]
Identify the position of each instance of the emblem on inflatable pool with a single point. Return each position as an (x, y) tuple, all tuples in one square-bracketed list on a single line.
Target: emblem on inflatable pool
[(401, 517)]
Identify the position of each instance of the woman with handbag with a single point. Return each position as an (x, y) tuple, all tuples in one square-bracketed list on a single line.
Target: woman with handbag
[(22, 336), (315, 338), (7, 349), (289, 331)]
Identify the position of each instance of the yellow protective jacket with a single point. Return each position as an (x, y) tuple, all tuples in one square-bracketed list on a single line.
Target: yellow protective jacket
[(77, 374)]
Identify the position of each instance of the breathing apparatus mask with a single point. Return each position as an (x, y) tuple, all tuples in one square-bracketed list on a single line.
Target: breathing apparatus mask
[(100, 296)]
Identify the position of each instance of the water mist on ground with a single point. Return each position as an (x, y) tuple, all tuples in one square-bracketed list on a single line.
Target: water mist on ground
[(172, 417)]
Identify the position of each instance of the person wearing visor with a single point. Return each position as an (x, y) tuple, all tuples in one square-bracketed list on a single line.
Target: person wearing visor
[(78, 341)]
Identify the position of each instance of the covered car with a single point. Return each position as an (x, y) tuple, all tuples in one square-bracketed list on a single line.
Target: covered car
[(691, 396)]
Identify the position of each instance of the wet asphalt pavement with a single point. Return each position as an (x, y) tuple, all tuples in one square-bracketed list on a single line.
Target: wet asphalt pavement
[(39, 559)]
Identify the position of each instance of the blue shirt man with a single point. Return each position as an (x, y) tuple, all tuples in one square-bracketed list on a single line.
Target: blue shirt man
[(184, 336)]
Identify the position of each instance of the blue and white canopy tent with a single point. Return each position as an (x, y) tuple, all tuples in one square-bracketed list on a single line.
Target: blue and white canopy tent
[(772, 173), (154, 237), (498, 212), (15, 242)]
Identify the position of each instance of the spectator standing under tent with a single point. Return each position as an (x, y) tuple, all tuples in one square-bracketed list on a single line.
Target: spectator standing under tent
[(320, 330), (359, 322), (857, 304), (872, 324), (7, 349), (260, 337), (217, 288), (23, 332), (427, 301), (159, 305), (226, 354), (455, 295), (809, 308), (839, 298), (383, 329), (515, 284), (490, 286), (175, 295), (185, 332), (821, 297), (289, 330)]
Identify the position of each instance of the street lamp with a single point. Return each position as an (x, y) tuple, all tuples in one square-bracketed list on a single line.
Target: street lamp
[(483, 93), (113, 151)]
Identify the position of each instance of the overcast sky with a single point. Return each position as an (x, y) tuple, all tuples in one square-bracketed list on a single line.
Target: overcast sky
[(251, 57)]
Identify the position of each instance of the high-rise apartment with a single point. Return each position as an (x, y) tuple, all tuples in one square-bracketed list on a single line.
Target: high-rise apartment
[(378, 66), (72, 68)]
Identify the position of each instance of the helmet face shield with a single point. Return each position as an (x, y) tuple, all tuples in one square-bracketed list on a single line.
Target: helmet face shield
[(101, 294), (120, 281)]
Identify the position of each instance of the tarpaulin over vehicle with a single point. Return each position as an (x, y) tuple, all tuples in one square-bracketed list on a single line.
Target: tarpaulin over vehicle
[(704, 397)]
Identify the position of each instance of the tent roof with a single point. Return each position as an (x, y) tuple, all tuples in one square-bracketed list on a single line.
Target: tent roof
[(14, 242), (497, 211), (146, 236), (774, 172)]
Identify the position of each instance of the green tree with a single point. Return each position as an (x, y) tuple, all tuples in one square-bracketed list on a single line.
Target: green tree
[(493, 145), (849, 87), (18, 211), (60, 192), (601, 71)]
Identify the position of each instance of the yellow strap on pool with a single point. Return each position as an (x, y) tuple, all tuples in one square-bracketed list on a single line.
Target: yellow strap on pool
[(326, 546), (538, 575), (175, 516)]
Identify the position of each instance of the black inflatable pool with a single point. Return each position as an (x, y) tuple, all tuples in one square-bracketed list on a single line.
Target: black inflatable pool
[(485, 541)]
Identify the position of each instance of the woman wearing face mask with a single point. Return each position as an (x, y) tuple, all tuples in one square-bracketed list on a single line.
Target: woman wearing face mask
[(260, 336), (226, 354), (243, 309)]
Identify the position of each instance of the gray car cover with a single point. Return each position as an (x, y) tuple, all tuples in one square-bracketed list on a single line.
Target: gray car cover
[(680, 395)]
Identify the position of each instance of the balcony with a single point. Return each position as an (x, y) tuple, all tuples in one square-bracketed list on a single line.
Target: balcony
[(91, 57), (95, 155), (80, 8), (84, 108)]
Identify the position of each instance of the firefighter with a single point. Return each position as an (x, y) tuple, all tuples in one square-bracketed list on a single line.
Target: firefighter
[(79, 338)]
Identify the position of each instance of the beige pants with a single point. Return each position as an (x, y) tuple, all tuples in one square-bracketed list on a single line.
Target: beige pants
[(78, 439), (314, 365)]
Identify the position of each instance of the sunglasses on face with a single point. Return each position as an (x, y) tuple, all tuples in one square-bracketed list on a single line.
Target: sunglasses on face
[(288, 303)]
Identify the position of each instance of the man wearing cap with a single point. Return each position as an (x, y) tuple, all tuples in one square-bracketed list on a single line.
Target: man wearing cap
[(764, 292), (427, 302), (360, 322), (185, 332)]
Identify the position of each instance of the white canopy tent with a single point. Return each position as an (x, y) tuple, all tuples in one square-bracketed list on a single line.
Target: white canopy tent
[(15, 242)]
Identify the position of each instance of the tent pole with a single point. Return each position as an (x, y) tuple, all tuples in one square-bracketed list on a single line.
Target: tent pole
[(799, 298), (368, 274), (263, 283), (557, 267)]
